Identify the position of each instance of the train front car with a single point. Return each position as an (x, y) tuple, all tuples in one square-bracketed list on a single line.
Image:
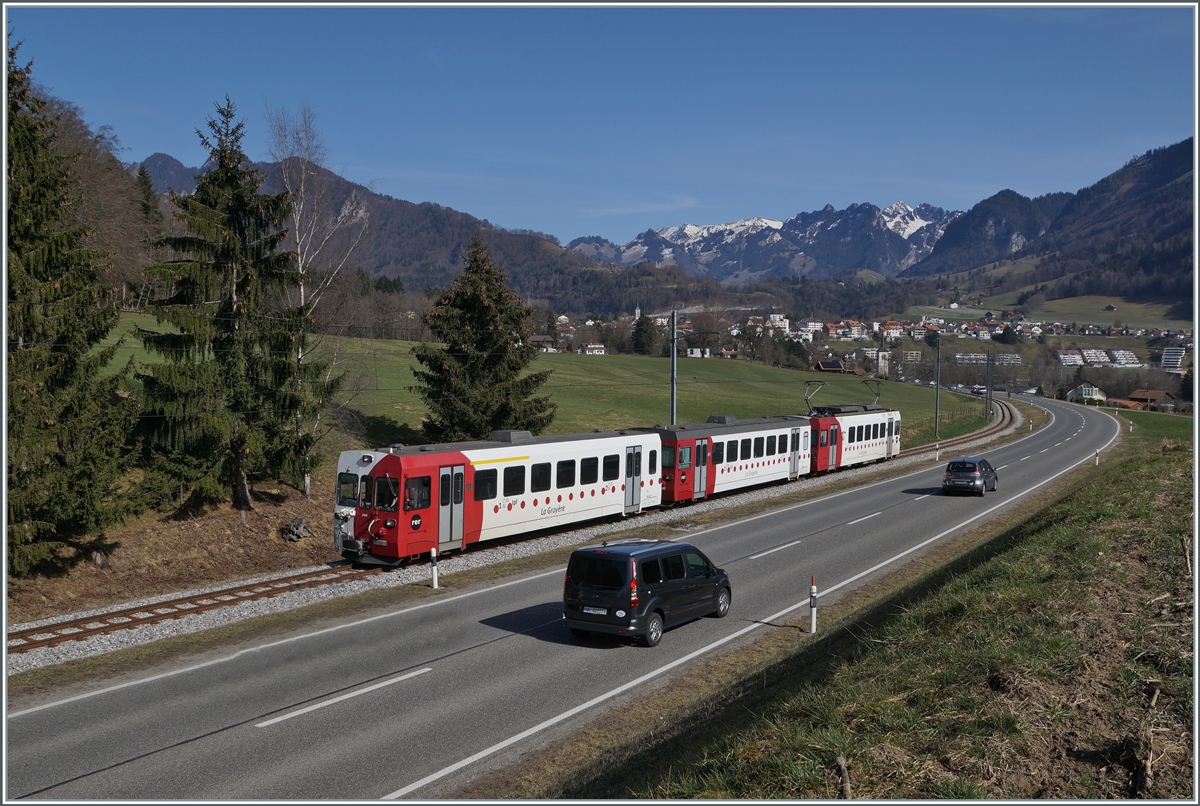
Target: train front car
[(411, 500), (725, 454), (853, 434)]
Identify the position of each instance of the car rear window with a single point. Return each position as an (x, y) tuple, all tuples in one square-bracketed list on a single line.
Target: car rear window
[(601, 573), (962, 467)]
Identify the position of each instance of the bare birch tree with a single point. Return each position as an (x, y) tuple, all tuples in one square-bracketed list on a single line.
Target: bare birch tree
[(329, 217)]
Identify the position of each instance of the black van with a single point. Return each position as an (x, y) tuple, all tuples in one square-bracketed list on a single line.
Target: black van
[(639, 587)]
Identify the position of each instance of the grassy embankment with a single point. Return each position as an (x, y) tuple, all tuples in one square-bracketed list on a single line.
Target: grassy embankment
[(1052, 659)]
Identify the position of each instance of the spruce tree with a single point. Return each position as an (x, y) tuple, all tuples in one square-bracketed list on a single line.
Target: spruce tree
[(67, 427), (474, 383), (222, 408)]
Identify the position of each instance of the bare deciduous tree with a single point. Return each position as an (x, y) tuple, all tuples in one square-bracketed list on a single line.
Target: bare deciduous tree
[(328, 217)]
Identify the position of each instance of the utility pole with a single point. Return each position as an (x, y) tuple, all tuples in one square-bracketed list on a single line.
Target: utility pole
[(674, 373), (937, 386)]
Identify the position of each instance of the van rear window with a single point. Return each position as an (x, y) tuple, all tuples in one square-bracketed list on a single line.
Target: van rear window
[(962, 467), (600, 573)]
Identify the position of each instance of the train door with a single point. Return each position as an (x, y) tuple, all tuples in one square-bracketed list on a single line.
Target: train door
[(891, 422), (833, 445), (700, 476), (794, 467), (633, 479), (450, 507)]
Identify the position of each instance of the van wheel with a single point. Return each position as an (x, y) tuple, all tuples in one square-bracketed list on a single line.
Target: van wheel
[(579, 633), (722, 604), (654, 629)]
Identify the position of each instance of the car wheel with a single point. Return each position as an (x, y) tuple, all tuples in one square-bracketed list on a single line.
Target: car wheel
[(723, 599), (579, 633), (654, 629)]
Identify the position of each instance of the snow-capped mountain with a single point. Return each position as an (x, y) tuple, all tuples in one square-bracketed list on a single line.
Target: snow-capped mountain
[(822, 243)]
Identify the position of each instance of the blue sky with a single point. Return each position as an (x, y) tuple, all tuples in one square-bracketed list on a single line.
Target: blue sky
[(609, 121)]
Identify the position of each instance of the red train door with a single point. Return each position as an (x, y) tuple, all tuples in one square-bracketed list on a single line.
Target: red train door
[(833, 444), (450, 508)]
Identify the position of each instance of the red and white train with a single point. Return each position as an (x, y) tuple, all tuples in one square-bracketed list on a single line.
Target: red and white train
[(398, 503)]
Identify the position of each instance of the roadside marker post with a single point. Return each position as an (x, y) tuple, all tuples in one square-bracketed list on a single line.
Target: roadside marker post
[(812, 607), (1097, 456), (433, 562)]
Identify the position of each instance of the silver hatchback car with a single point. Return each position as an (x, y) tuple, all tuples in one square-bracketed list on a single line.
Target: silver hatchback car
[(969, 475)]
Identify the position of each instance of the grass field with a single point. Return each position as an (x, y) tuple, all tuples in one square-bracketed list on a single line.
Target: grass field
[(615, 391), (1084, 310)]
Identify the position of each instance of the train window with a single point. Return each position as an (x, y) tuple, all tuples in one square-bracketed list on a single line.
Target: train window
[(806, 440), (539, 477), (416, 492), (718, 453), (771, 445), (875, 431), (566, 474), (366, 492), (652, 464), (731, 449), (347, 488), (485, 484), (745, 450), (897, 433), (824, 437), (851, 435), (444, 490), (758, 447), (651, 572), (387, 493), (685, 457), (589, 470), (514, 481), (458, 487), (612, 467), (833, 434), (668, 456)]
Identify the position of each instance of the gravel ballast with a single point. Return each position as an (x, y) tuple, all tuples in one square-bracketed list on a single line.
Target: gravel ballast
[(146, 633)]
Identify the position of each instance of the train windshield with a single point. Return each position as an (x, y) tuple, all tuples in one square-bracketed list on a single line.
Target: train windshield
[(347, 489)]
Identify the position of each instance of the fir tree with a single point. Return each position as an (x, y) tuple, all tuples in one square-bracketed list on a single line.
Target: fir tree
[(474, 383), (223, 407), (67, 427), (645, 335), (149, 196)]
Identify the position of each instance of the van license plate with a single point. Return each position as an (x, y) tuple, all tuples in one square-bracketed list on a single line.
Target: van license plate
[(596, 611)]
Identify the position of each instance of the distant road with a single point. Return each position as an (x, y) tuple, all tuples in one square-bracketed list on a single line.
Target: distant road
[(406, 704)]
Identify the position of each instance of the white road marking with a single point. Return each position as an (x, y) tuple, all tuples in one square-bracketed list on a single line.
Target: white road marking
[(343, 697), (554, 720), (1023, 458), (867, 518), (919, 497), (294, 638)]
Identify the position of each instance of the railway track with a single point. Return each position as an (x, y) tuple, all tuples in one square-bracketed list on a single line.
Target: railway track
[(75, 629), (24, 640)]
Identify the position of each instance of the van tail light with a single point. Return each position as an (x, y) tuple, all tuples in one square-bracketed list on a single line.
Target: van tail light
[(633, 593)]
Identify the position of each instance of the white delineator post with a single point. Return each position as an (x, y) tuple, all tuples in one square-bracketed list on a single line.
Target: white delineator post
[(812, 607), (433, 562)]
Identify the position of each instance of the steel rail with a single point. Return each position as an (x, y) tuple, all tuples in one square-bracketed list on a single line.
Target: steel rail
[(24, 640)]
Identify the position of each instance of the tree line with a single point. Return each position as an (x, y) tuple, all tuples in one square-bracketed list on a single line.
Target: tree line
[(241, 284)]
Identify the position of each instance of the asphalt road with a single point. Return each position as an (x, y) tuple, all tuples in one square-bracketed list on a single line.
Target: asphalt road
[(411, 701)]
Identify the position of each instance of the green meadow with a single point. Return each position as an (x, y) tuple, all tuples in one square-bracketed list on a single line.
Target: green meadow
[(613, 391)]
